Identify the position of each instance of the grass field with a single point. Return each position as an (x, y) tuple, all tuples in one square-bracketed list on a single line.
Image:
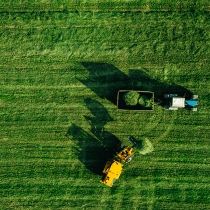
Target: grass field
[(61, 66)]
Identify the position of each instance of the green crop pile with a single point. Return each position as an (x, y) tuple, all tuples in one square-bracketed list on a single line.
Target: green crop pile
[(131, 98), (61, 66), (145, 101), (146, 147)]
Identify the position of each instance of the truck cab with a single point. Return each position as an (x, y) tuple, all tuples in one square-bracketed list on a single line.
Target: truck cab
[(174, 102)]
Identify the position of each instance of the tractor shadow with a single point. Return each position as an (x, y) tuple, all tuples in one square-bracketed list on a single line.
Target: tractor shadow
[(106, 80), (95, 146), (142, 81)]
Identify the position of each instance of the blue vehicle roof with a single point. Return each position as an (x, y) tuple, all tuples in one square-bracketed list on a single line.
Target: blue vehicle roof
[(191, 102)]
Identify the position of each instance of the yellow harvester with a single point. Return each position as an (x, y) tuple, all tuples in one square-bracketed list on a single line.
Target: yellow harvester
[(113, 168)]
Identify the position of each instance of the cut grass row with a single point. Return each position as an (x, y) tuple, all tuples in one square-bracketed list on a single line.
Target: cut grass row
[(105, 6), (83, 36)]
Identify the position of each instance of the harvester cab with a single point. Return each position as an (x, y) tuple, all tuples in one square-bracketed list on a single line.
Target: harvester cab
[(113, 168), (126, 153), (174, 102)]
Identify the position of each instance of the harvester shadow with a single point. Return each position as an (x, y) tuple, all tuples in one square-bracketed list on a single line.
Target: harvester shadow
[(97, 123), (106, 80), (92, 152), (99, 118)]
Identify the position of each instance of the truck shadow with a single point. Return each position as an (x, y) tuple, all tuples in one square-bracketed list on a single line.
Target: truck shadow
[(106, 80), (95, 146)]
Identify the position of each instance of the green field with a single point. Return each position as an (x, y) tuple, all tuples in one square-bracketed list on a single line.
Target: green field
[(61, 66)]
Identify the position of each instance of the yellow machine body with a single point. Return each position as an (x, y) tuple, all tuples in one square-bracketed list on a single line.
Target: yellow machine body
[(125, 154), (113, 168), (112, 171)]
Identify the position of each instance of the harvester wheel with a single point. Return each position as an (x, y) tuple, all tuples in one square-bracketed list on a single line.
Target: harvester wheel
[(120, 147), (129, 159)]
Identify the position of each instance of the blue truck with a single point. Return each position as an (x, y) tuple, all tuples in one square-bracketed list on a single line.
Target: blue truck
[(174, 102)]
